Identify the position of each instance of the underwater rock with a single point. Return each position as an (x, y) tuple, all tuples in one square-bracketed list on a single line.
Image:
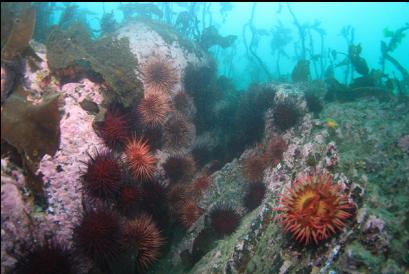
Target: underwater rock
[(359, 143), (259, 235), (129, 47), (61, 172), (375, 238), (148, 38), (15, 209), (108, 57)]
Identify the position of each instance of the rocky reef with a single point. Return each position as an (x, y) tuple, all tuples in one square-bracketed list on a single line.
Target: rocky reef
[(143, 160), (367, 159)]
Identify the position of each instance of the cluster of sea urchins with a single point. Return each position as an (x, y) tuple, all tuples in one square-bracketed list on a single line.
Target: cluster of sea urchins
[(125, 185), (132, 205), (254, 164), (314, 208), (103, 235)]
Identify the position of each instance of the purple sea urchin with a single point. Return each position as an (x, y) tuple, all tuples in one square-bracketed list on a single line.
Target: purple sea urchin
[(102, 178), (224, 219), (46, 258), (99, 235), (286, 115)]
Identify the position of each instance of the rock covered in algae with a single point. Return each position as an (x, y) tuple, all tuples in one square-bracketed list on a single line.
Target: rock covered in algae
[(117, 58), (15, 209), (403, 144), (148, 38), (109, 57), (370, 164), (259, 245)]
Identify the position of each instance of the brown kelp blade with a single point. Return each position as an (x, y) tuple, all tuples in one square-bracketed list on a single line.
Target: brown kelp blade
[(20, 36)]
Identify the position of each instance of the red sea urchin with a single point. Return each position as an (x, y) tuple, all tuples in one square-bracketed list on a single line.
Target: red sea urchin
[(115, 129), (275, 149), (99, 235), (154, 109), (143, 234), (201, 184), (159, 74), (314, 208), (102, 179), (253, 167), (189, 212), (140, 159), (224, 219)]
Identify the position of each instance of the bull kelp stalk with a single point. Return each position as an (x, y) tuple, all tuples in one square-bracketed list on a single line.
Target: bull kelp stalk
[(195, 28), (229, 60), (314, 57), (348, 32), (167, 12), (311, 51), (323, 65), (301, 32), (396, 38), (253, 41), (206, 12), (279, 40)]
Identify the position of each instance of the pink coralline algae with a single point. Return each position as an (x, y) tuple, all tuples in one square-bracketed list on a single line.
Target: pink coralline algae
[(403, 144), (61, 173), (14, 222), (331, 158), (375, 237)]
